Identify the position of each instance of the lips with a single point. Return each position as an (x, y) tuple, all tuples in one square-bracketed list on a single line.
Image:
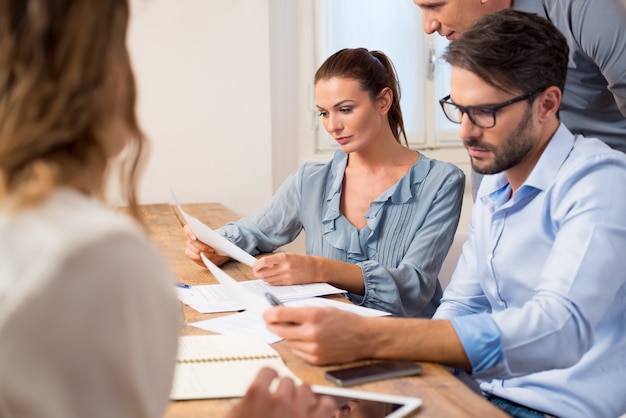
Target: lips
[(477, 152), (343, 140)]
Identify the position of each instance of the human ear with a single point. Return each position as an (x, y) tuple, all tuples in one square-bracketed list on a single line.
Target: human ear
[(549, 102), (384, 100)]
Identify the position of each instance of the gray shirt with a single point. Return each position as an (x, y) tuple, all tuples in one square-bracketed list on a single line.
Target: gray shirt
[(594, 101)]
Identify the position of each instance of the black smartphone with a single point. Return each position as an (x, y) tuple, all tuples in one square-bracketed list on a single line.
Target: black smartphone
[(386, 369)]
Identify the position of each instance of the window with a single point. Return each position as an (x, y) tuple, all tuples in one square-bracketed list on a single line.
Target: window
[(394, 27)]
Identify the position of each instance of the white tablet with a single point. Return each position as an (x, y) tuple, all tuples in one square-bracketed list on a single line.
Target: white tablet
[(361, 404)]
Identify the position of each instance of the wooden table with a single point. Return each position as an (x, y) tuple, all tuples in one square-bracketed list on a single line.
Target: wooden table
[(443, 394)]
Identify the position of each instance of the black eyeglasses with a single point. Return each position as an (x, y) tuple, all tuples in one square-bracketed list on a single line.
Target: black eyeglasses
[(481, 116)]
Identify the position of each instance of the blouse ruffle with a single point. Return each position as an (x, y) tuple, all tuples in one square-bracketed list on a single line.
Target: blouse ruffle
[(341, 234)]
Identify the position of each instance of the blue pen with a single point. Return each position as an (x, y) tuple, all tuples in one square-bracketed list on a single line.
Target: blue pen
[(182, 285)]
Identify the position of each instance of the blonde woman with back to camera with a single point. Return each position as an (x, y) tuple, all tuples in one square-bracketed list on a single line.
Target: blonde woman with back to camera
[(88, 317)]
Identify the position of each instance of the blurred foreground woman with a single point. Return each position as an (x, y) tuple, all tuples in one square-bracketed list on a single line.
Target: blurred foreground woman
[(88, 316)]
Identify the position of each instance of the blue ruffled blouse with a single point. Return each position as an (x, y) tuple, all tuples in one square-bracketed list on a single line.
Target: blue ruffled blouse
[(409, 230)]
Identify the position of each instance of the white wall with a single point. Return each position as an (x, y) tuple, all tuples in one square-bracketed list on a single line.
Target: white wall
[(203, 71), (223, 98)]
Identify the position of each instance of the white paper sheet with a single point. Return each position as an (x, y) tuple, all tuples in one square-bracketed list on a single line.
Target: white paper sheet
[(213, 239), (250, 323), (213, 298), (208, 299), (249, 300), (241, 323), (345, 306)]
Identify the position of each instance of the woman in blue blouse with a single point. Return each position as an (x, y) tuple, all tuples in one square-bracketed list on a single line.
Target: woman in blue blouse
[(379, 217)]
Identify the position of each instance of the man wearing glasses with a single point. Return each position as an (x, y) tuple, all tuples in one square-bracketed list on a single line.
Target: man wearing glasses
[(537, 305), (594, 100)]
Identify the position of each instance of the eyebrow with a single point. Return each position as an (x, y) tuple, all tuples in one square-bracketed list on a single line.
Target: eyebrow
[(476, 105), (338, 104), (431, 5)]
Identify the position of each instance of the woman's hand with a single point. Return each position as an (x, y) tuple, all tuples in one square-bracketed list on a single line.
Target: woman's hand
[(283, 269), (287, 401), (194, 247)]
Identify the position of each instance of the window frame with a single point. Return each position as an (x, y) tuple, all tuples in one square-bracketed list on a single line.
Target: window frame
[(442, 144)]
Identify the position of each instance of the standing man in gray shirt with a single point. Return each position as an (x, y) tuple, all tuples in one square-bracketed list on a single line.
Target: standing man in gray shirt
[(594, 100)]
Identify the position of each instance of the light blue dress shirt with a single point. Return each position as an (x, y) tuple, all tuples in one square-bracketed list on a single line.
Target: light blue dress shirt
[(538, 297), (409, 230)]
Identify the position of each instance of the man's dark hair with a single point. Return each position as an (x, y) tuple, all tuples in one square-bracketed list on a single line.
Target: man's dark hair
[(512, 51)]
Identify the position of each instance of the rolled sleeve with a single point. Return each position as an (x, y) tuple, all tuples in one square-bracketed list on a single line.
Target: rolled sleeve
[(482, 342)]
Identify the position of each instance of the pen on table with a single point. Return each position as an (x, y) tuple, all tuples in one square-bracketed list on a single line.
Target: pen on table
[(182, 285), (273, 300)]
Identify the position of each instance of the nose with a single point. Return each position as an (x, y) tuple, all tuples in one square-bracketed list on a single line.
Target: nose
[(430, 23), (468, 129), (333, 123)]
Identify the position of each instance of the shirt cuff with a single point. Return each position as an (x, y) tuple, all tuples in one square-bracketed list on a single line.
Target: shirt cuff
[(481, 340)]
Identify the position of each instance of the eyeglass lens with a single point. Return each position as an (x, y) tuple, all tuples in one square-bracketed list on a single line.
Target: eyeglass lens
[(482, 117)]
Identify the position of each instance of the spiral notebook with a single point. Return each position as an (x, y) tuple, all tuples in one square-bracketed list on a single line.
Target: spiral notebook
[(221, 366)]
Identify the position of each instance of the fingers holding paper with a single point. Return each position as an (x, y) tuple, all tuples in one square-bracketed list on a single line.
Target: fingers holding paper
[(288, 400), (194, 247), (283, 269), (319, 335)]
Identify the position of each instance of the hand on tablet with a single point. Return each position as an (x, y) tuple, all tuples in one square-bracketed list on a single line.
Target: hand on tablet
[(289, 400)]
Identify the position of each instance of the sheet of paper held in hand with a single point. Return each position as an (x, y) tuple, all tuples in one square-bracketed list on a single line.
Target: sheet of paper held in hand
[(251, 301), (251, 321), (215, 240)]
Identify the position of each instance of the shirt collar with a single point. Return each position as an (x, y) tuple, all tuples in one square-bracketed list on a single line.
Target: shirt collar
[(399, 194), (544, 172)]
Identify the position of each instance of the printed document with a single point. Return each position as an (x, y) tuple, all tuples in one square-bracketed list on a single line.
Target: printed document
[(215, 240)]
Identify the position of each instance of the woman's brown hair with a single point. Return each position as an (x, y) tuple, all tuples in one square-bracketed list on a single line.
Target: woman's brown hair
[(65, 82), (374, 71)]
